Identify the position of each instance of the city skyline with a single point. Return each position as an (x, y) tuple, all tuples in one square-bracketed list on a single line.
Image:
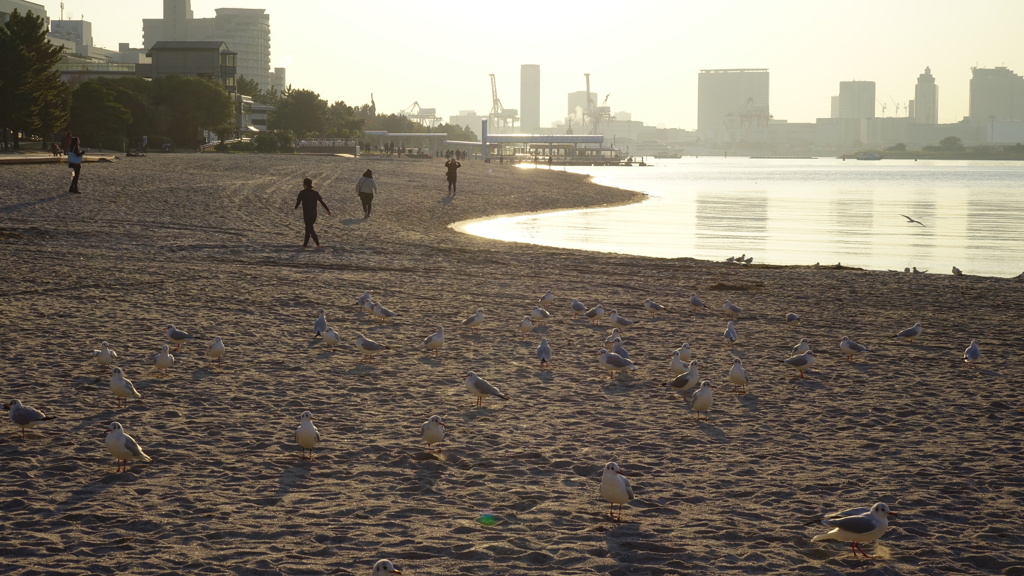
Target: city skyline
[(646, 59)]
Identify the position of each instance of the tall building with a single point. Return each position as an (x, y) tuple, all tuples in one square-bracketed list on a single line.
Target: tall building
[(856, 100), (246, 32), (926, 99), (732, 104), (529, 98), (996, 94), (8, 6)]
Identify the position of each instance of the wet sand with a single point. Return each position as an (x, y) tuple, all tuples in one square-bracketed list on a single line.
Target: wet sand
[(211, 243)]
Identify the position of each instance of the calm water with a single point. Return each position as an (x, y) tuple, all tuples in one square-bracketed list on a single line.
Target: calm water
[(800, 212)]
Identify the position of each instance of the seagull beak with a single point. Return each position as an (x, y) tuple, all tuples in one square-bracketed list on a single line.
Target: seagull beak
[(893, 514)]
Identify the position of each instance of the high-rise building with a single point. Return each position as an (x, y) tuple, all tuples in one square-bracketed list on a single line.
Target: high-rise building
[(732, 104), (856, 100), (529, 98), (23, 8), (246, 32), (926, 99), (996, 94)]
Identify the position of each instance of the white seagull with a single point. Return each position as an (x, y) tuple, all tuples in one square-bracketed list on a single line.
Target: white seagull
[(738, 376), (595, 314), (957, 271), (307, 436), (696, 302), (331, 338), (364, 301), (614, 363), (866, 527), (435, 341), (615, 488), (653, 307), (526, 326), (730, 333), (910, 333), (618, 348), (474, 321), (620, 321), (851, 348), (680, 357), (177, 337), (803, 346), (368, 347), (481, 388), (123, 447), (382, 313), (216, 350), (702, 399), (687, 380), (104, 355), (792, 318), (163, 359), (609, 342), (433, 431), (547, 298), (973, 353), (731, 309), (122, 387), (539, 314), (577, 307), (24, 416), (384, 567), (544, 352), (800, 362), (320, 325)]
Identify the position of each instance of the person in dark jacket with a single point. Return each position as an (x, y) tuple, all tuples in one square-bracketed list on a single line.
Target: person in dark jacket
[(309, 197), (453, 175)]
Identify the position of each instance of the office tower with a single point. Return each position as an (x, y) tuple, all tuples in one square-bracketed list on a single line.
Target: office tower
[(926, 99), (731, 103), (856, 100), (996, 94), (529, 98)]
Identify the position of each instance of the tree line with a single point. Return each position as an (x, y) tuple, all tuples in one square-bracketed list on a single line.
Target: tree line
[(119, 112)]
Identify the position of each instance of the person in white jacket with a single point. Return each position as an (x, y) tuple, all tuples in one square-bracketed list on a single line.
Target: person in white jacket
[(366, 188)]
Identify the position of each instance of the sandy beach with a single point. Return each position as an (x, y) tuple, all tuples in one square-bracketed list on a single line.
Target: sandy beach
[(212, 244)]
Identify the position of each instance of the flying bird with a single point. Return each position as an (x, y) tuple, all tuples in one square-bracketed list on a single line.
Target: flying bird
[(911, 220)]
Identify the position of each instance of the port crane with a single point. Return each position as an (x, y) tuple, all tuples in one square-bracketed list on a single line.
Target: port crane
[(502, 120), (425, 116)]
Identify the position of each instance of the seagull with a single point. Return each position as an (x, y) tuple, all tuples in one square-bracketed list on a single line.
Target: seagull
[(730, 333), (792, 318), (957, 271), (803, 346), (617, 348), (539, 314), (384, 567), (578, 308), (368, 347), (480, 388), (851, 348), (916, 271), (615, 489), (123, 447), (855, 529), (972, 354), (619, 321), (177, 337), (544, 352), (702, 399), (687, 380), (474, 321), (910, 333), (800, 362), (433, 431), (381, 312), (614, 363), (738, 375), (911, 220), (526, 326), (435, 341), (122, 387), (104, 355), (696, 302), (320, 325), (680, 357), (307, 436), (595, 314), (163, 359), (331, 338), (731, 309), (730, 259), (609, 342), (216, 350), (740, 258), (547, 298), (364, 300), (748, 260), (653, 307), (24, 416)]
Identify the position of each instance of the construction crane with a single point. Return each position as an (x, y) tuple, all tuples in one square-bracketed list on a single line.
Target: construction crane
[(425, 116), (883, 105), (897, 106), (501, 119)]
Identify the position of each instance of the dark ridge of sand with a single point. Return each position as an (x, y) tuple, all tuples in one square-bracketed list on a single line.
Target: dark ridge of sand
[(210, 243)]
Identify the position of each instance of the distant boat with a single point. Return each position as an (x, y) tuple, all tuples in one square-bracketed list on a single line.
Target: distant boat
[(868, 156)]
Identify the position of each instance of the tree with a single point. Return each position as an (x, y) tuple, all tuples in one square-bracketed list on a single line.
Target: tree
[(456, 132), (342, 121), (248, 87), (29, 80), (302, 112), (952, 143), (135, 95), (184, 106), (95, 114)]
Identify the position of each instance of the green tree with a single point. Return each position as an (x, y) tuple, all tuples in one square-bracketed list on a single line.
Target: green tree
[(29, 81), (184, 106), (95, 115), (248, 87), (456, 132), (342, 121), (952, 143), (134, 94), (302, 112)]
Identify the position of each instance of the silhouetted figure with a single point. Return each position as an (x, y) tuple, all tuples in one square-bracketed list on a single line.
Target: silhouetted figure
[(453, 167), (366, 188), (309, 197), (75, 155)]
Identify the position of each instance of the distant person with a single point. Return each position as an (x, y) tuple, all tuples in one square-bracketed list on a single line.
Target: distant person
[(65, 141), (309, 197), (54, 149), (453, 175), (366, 188), (75, 163)]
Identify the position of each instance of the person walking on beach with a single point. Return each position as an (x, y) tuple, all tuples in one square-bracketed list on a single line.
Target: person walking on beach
[(452, 166), (366, 188), (75, 163), (309, 197)]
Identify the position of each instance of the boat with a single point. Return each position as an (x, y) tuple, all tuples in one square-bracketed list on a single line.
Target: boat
[(868, 156)]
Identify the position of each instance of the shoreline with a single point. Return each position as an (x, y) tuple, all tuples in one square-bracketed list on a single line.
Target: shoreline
[(210, 243)]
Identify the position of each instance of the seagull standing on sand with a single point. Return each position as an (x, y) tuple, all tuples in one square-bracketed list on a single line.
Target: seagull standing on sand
[(24, 416), (122, 387), (680, 357), (547, 298), (910, 333), (526, 326), (738, 376), (696, 302), (614, 363), (866, 527), (615, 488), (123, 447), (481, 388), (365, 301), (331, 338), (433, 431), (544, 353), (957, 271), (320, 325), (595, 314), (383, 567), (382, 313), (609, 342), (216, 350), (163, 360), (800, 362), (368, 347), (620, 321), (803, 346), (578, 308), (104, 355), (435, 341), (730, 333), (731, 309), (619, 349), (973, 353), (539, 314), (474, 321), (911, 220), (702, 399), (687, 380), (792, 318), (177, 337), (653, 307), (851, 348), (307, 436)]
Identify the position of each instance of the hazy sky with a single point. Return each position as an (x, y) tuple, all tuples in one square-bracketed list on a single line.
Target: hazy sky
[(646, 54)]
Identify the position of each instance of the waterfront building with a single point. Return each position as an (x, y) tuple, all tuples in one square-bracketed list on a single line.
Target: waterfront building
[(732, 105), (529, 98), (925, 105), (997, 94)]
